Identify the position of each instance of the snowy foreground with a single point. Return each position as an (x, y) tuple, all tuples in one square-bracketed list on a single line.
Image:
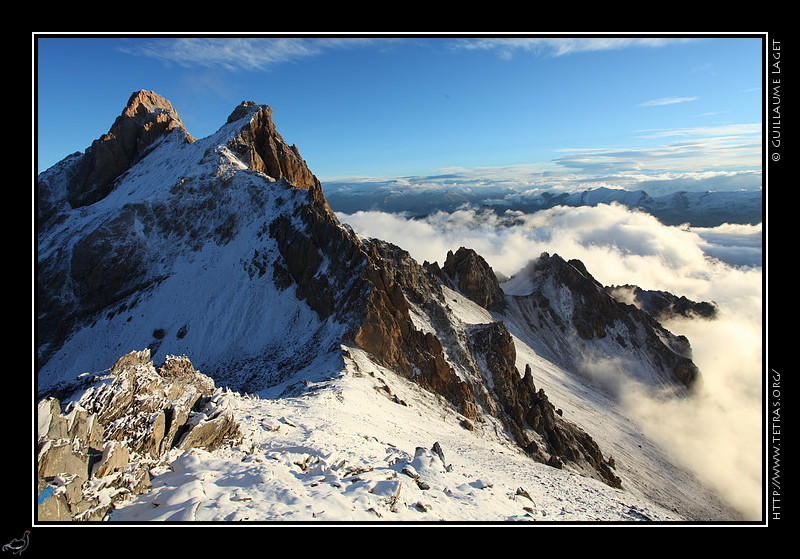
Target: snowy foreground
[(360, 448)]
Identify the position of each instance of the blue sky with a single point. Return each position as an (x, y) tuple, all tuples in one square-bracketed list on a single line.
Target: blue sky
[(612, 110)]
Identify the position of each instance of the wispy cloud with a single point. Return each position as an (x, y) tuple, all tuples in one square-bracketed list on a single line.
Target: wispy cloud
[(712, 113), (723, 130), (724, 147), (559, 46), (667, 101), (263, 53), (709, 154), (242, 53)]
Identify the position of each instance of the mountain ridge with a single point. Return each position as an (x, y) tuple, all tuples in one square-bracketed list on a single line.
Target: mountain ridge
[(226, 249)]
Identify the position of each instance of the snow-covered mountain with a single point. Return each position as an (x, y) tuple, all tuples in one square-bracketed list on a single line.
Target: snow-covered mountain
[(347, 358)]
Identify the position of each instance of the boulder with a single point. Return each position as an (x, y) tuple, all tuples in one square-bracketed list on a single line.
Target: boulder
[(61, 457), (115, 458)]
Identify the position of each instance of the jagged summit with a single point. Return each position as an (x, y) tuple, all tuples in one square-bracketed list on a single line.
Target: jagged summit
[(115, 221), (580, 323), (261, 147), (147, 106), (468, 272), (146, 118)]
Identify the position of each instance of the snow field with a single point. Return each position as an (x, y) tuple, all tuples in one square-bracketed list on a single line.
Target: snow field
[(344, 453)]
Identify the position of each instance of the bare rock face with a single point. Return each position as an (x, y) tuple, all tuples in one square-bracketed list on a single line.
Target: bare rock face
[(397, 285), (146, 117), (100, 450), (369, 285), (535, 424), (594, 311), (470, 274), (262, 148)]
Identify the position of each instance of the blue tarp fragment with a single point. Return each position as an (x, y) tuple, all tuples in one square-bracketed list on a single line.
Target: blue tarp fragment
[(49, 490)]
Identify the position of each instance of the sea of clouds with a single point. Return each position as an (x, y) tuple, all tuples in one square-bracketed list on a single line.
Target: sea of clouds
[(717, 431)]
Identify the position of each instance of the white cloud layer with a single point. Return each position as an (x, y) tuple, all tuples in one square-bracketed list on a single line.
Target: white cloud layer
[(717, 433), (615, 243)]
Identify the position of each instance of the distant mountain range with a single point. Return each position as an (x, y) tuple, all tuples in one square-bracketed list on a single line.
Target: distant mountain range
[(698, 209)]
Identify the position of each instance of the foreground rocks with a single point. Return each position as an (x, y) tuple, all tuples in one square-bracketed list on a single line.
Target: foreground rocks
[(98, 448)]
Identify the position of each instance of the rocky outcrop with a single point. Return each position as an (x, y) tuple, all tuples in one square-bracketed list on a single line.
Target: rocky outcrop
[(146, 118), (100, 449), (534, 423), (562, 298), (594, 311), (662, 305), (370, 285), (379, 289), (470, 274), (261, 147), (379, 301), (397, 287)]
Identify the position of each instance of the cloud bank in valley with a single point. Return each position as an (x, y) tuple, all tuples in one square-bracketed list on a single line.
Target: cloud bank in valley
[(636, 240), (717, 432)]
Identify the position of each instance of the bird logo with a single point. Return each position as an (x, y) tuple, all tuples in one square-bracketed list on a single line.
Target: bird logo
[(18, 545)]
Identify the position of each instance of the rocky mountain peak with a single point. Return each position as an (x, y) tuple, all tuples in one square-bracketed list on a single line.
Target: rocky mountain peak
[(146, 118), (594, 311), (570, 272), (581, 318), (232, 256), (470, 274), (261, 147), (243, 109), (149, 107)]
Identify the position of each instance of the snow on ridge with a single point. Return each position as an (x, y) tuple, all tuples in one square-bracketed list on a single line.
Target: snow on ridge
[(178, 196), (346, 452)]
